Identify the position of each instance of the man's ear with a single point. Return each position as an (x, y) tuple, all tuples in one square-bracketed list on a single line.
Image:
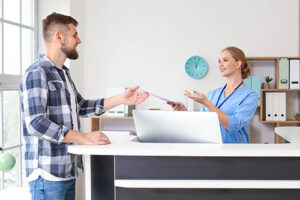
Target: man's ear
[(59, 36)]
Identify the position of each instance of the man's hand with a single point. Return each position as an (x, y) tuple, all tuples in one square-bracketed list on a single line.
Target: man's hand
[(132, 97), (177, 106), (129, 97), (198, 97), (96, 137)]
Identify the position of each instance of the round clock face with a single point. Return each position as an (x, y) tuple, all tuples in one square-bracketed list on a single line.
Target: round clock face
[(196, 67)]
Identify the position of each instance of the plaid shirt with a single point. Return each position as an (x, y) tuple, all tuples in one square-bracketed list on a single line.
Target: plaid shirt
[(46, 117)]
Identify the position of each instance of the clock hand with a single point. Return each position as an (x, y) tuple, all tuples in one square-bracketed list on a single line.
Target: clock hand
[(197, 63)]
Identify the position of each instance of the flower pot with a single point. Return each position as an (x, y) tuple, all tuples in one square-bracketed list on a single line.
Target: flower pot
[(266, 86)]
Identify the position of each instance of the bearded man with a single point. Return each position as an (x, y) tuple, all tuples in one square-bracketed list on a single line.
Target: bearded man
[(51, 106)]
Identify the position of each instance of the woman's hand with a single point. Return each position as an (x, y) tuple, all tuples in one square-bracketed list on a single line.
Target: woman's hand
[(177, 106), (198, 97)]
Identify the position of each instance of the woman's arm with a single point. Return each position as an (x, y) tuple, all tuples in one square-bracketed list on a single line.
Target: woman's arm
[(201, 98), (240, 117), (223, 117)]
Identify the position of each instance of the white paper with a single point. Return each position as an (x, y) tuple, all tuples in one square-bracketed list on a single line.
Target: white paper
[(159, 97)]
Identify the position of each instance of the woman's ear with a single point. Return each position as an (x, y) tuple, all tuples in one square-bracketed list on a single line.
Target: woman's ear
[(238, 64)]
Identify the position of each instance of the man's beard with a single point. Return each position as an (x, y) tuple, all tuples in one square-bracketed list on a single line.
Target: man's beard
[(70, 53)]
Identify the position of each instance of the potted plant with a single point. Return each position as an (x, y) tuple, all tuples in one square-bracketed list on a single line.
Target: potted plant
[(297, 116), (267, 84)]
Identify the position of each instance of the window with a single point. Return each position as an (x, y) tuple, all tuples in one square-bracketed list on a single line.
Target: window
[(18, 48)]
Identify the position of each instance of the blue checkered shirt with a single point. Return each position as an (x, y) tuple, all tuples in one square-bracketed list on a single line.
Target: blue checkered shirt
[(46, 118)]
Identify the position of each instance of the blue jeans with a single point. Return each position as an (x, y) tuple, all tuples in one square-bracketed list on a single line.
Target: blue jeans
[(42, 189)]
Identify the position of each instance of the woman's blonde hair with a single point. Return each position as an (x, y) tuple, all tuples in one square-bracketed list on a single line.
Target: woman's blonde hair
[(239, 55)]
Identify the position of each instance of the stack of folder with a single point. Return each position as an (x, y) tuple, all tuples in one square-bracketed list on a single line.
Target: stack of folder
[(275, 106), (289, 73)]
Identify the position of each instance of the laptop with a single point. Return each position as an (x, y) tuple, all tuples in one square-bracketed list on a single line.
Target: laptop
[(177, 126)]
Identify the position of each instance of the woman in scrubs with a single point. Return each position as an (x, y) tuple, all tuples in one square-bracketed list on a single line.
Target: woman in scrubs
[(234, 103)]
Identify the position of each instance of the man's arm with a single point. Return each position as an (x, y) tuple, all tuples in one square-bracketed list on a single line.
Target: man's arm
[(34, 99), (88, 108), (96, 137), (129, 97)]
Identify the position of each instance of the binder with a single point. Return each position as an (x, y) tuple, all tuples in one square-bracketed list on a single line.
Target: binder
[(275, 107), (254, 83), (282, 106), (294, 74), (248, 81), (256, 86), (269, 106), (284, 68)]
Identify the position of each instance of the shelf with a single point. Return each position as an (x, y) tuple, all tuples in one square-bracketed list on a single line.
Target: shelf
[(123, 122), (280, 90), (270, 65), (110, 117), (262, 58), (270, 58), (280, 122)]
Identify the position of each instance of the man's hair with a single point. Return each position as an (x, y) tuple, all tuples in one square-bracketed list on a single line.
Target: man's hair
[(56, 19)]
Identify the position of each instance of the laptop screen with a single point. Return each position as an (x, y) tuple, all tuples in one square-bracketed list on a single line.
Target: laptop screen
[(177, 126)]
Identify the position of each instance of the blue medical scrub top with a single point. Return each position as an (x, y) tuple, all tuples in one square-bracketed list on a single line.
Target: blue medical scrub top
[(240, 108)]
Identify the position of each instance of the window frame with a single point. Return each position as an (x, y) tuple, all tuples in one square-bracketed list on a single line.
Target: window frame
[(10, 82)]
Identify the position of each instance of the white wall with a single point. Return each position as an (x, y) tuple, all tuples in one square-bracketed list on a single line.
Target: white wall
[(47, 7), (147, 42), (129, 42)]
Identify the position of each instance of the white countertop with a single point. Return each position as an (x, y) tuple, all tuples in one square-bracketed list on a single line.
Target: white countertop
[(124, 145), (289, 133)]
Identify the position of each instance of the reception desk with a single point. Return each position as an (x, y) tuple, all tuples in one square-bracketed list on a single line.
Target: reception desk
[(129, 170)]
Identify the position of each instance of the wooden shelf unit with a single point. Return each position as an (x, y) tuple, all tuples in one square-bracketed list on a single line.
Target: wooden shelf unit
[(95, 120), (276, 79), (280, 90), (262, 108), (291, 121)]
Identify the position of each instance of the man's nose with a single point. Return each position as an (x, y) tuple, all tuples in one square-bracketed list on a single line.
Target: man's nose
[(78, 41)]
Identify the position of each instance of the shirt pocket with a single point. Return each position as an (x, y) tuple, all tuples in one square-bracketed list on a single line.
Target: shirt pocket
[(56, 94), (55, 85)]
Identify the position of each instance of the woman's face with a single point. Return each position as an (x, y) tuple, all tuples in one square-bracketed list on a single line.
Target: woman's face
[(228, 66)]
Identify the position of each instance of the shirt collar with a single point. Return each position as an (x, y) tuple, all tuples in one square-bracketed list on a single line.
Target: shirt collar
[(43, 57)]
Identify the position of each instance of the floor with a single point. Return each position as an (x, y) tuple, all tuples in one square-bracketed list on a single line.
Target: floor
[(15, 193)]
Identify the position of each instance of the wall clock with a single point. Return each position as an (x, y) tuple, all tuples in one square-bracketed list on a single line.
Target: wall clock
[(196, 67)]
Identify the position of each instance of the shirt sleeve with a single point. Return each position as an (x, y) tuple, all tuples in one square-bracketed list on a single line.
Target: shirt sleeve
[(88, 108), (243, 114), (34, 97), (203, 108)]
